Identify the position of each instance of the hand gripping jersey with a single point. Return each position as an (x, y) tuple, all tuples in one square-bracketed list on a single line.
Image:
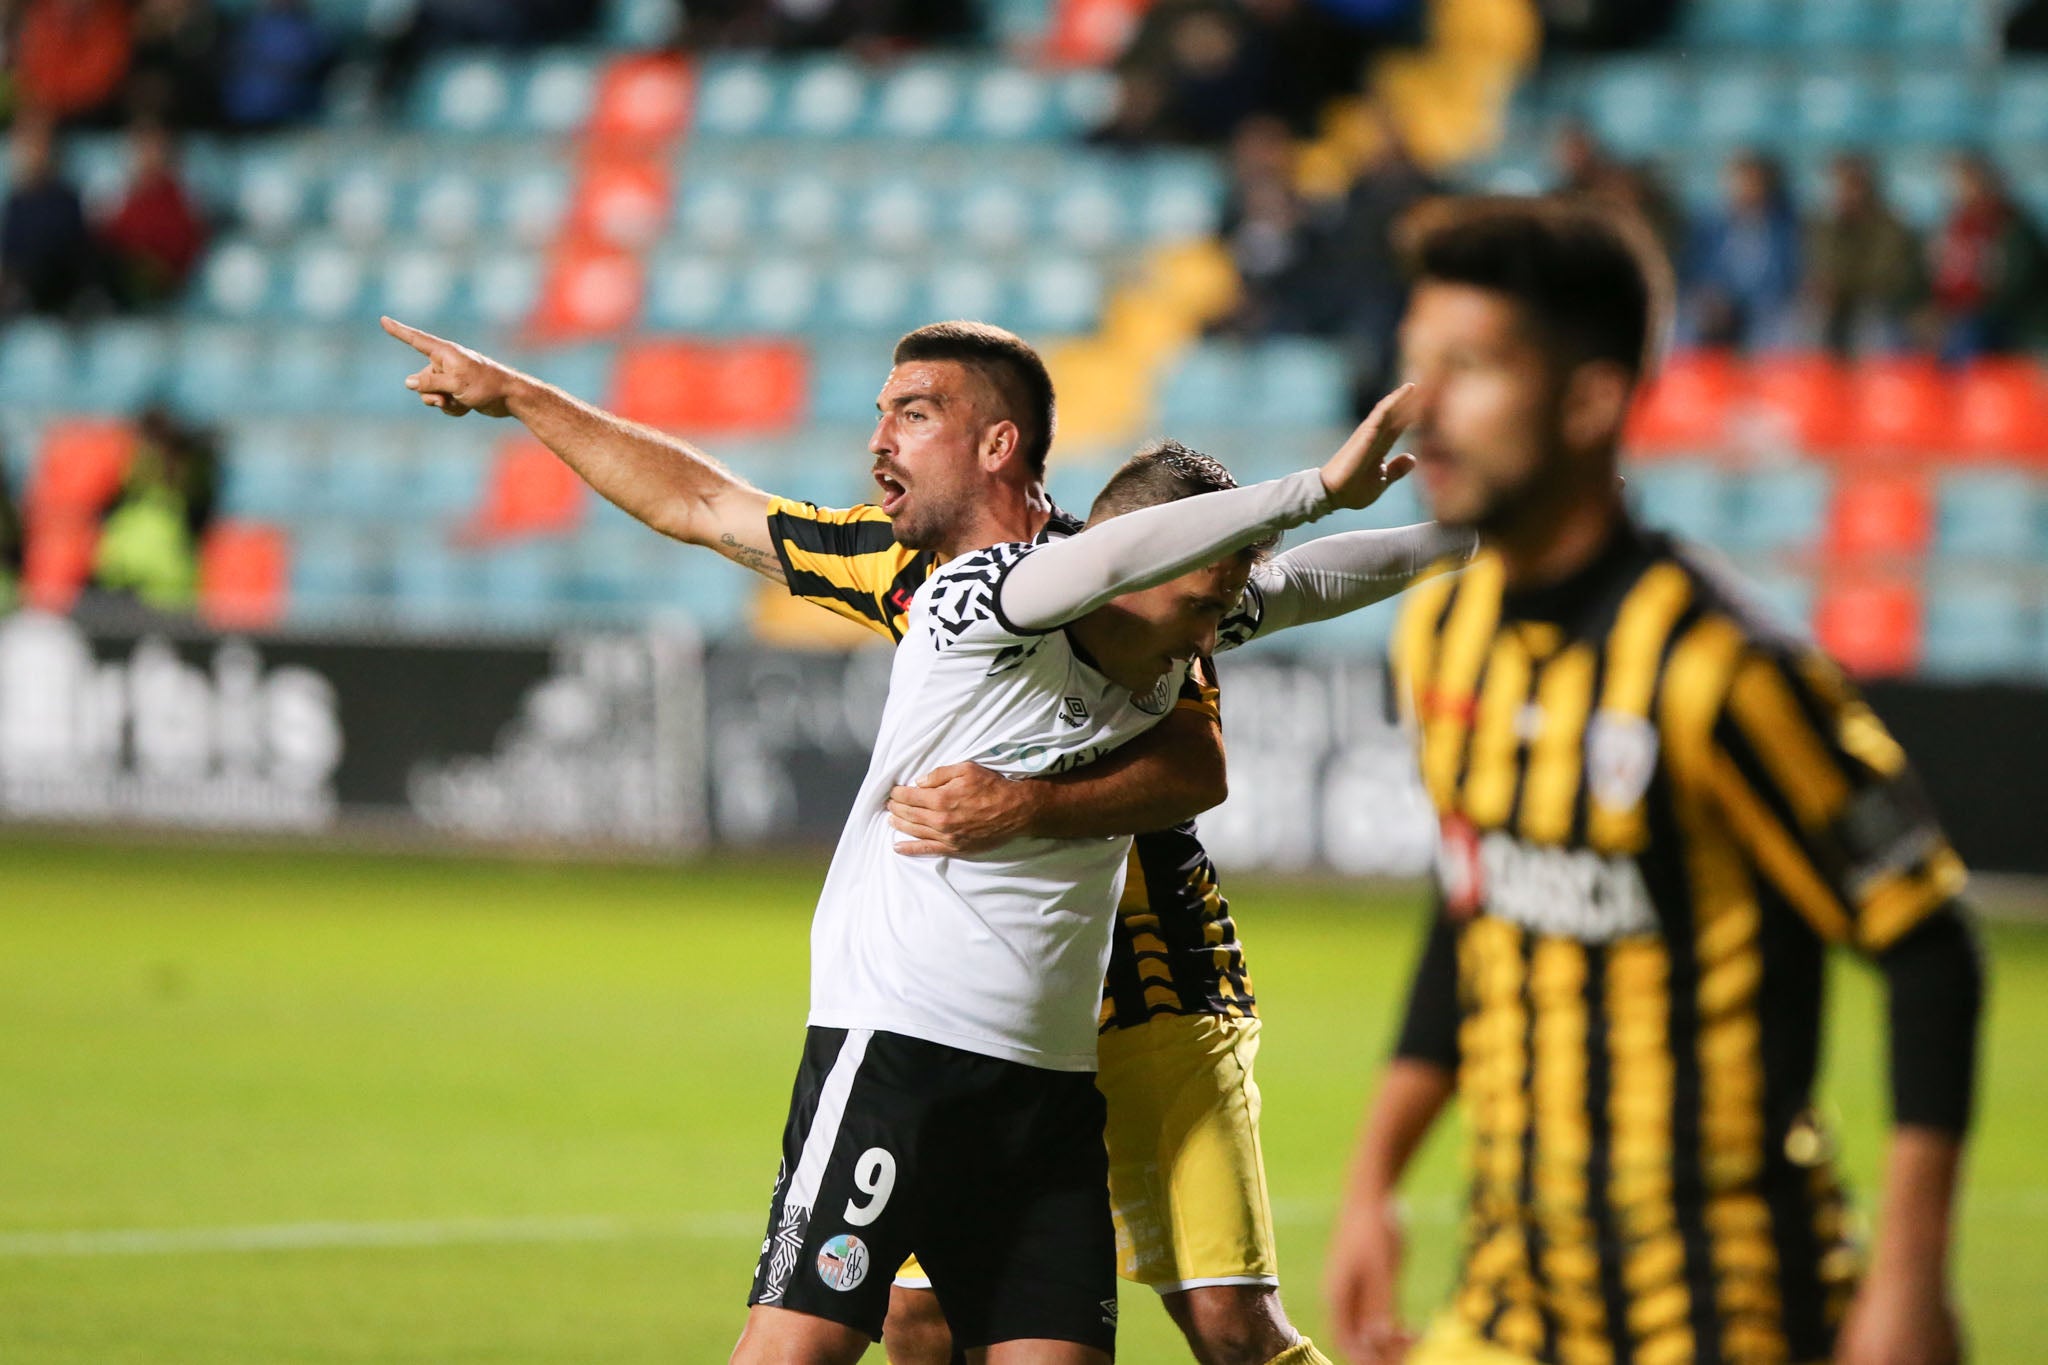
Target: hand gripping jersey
[(1000, 953), (1174, 946)]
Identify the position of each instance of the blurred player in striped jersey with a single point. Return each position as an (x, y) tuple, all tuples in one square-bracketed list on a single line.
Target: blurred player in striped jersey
[(1658, 811), (1178, 1016)]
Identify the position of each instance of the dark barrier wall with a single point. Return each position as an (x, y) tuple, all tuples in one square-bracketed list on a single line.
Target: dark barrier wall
[(590, 737)]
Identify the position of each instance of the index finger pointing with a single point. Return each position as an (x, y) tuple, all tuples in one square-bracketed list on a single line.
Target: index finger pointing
[(423, 342)]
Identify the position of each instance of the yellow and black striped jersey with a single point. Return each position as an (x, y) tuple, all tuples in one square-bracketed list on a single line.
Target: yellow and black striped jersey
[(1656, 811), (1175, 948)]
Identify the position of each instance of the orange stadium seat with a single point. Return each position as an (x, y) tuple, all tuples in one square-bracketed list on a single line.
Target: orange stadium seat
[(1871, 626), (1900, 406), (244, 568), (2001, 410), (57, 558), (1092, 32), (643, 99), (622, 201), (1801, 401), (529, 492), (741, 388), (1686, 408), (591, 290), (1886, 516), (80, 470)]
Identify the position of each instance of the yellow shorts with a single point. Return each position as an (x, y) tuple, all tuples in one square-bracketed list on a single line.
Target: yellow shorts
[(1187, 1181), (1450, 1340)]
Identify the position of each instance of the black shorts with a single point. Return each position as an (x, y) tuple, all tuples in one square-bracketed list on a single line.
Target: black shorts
[(992, 1172)]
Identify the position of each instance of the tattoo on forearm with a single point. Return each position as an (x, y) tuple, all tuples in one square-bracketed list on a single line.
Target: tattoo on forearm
[(753, 557)]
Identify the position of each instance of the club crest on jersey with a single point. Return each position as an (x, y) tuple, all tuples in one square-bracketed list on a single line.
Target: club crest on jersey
[(1621, 758), (1074, 711), (843, 1262), (1458, 868), (1155, 702)]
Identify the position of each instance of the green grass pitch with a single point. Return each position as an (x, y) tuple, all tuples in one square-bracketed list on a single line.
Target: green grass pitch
[(405, 1110)]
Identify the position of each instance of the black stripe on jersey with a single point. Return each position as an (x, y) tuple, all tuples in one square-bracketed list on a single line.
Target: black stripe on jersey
[(804, 583), (839, 539), (1614, 1294)]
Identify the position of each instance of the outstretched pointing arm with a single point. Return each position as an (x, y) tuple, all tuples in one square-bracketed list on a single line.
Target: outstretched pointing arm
[(664, 482)]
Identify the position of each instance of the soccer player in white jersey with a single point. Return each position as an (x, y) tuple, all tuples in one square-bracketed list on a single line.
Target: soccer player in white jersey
[(657, 480)]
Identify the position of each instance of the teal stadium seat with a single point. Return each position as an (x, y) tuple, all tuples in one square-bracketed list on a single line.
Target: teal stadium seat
[(449, 208), (1924, 27), (2019, 116), (304, 369), (1019, 23), (1183, 198), (688, 293), (1638, 106), (920, 100), (1689, 497), (1740, 105), (1979, 628), (335, 575), (1918, 185), (845, 377), (1088, 213), (1784, 597), (1827, 27), (1840, 108), (524, 584), (501, 288), (1297, 382), (556, 93), (38, 365), (968, 289), (872, 295), (1358, 634), (1737, 23), (274, 195), (1986, 514), (270, 485), (641, 25), (1086, 96), (533, 204), (828, 97), (364, 204), (703, 589), (1007, 104), (807, 211), (471, 93), (124, 365), (445, 479), (433, 585), (1059, 296), (422, 285), (716, 211), (1777, 509), (239, 279), (778, 294), (215, 369), (736, 96), (1940, 106), (1207, 387), (899, 217), (328, 283), (365, 484), (994, 214)]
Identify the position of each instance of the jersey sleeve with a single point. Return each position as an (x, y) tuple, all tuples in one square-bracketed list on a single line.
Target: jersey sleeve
[(963, 603), (1823, 800), (846, 560)]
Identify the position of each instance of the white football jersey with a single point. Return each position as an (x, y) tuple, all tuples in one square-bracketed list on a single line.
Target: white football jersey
[(1000, 953)]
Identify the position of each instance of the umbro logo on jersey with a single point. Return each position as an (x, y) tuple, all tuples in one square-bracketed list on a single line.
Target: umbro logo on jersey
[(1074, 711), (1108, 1312)]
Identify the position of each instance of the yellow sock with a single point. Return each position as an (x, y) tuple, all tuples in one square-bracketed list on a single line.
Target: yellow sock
[(1302, 1352)]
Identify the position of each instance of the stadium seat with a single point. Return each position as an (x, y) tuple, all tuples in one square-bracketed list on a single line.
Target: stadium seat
[(558, 95), (522, 585), (1923, 27), (1871, 626), (81, 467), (1740, 106), (1825, 27), (715, 211), (433, 585), (1088, 214), (898, 217), (57, 554), (994, 215), (1787, 598), (244, 571), (272, 486), (2019, 114), (421, 285), (1686, 407), (1061, 295), (1899, 407), (845, 378), (1978, 628), (1689, 496), (327, 282), (1091, 32), (331, 575), (1206, 387), (446, 480), (1881, 518), (239, 280), (1781, 507), (778, 294), (644, 98), (449, 208), (807, 210), (1836, 108), (1637, 105), (919, 100), (363, 484), (688, 583), (530, 492), (1737, 23), (642, 25), (465, 94), (1012, 105), (1986, 514), (589, 290), (735, 96), (966, 289), (871, 295), (828, 97), (1798, 403), (273, 196), (622, 201), (363, 204), (1297, 382), (123, 366), (1939, 106), (38, 364), (534, 204), (2001, 410), (1183, 199)]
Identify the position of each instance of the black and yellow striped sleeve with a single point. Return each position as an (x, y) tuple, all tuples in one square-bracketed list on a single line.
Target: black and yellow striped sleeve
[(844, 559), (1824, 801), (1199, 693)]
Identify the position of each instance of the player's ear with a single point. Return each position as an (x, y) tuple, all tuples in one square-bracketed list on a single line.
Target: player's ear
[(1596, 400), (999, 445)]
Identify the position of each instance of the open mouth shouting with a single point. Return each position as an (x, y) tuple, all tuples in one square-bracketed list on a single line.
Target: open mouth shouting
[(893, 492)]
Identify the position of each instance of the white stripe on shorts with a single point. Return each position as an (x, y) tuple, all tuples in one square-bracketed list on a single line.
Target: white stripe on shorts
[(824, 1133)]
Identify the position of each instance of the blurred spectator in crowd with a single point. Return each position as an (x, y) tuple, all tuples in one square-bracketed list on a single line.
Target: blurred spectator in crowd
[(437, 24), (1740, 270), (71, 56), (149, 545), (1267, 226), (1604, 25), (1585, 167), (1988, 267), (175, 78), (155, 235), (1364, 285), (872, 27), (274, 65), (2026, 27), (47, 262), (1864, 275), (1196, 69)]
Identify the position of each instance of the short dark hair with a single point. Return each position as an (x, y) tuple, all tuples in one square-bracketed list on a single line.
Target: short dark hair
[(1164, 470), (1009, 364), (1591, 279)]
